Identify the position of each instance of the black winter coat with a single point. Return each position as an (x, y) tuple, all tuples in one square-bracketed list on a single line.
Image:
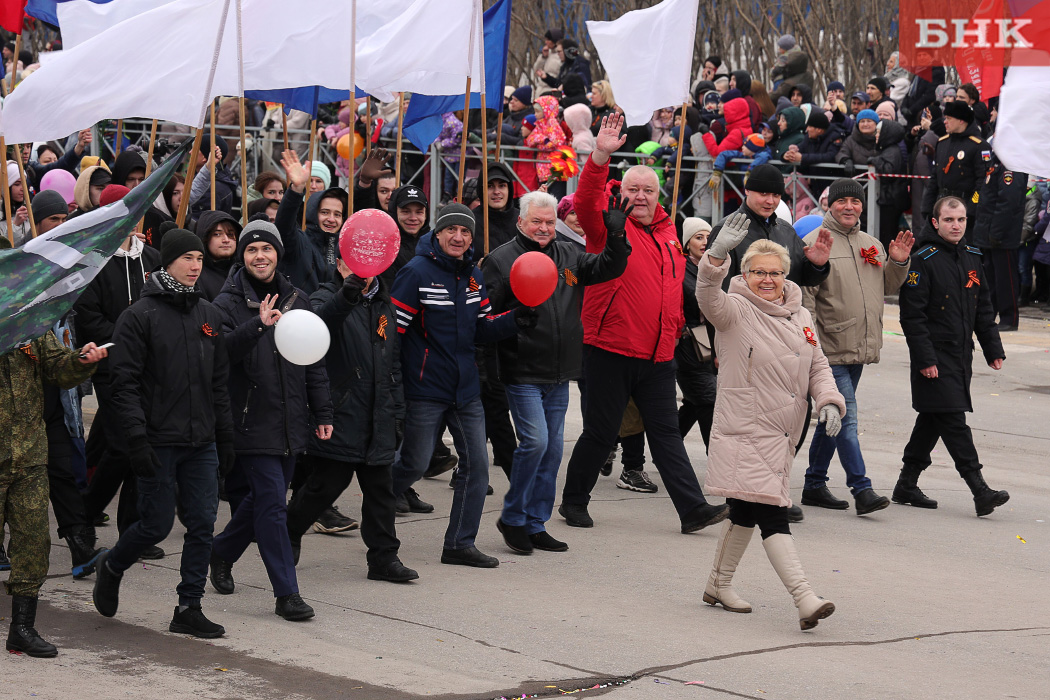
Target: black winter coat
[(117, 286), (955, 176), (214, 274), (1001, 209), (304, 260), (170, 369), (503, 226), (276, 404), (552, 352), (944, 302), (697, 379), (889, 160), (364, 368)]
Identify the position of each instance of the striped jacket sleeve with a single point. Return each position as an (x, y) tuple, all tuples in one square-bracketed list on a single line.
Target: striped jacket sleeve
[(405, 295)]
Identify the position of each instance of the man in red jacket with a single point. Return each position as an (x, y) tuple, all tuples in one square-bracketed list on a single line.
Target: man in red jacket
[(630, 328)]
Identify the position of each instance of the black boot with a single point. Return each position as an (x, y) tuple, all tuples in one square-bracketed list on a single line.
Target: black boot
[(82, 550), (907, 491), (22, 636), (221, 575), (985, 500), (515, 537), (106, 594)]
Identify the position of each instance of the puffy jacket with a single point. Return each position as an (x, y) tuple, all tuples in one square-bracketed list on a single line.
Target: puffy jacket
[(1001, 208), (857, 148), (552, 352), (638, 314), (305, 258), (820, 150), (738, 127), (364, 369), (769, 363), (888, 159), (847, 306), (214, 274), (275, 403), (442, 313), (944, 302), (793, 135), (169, 368)]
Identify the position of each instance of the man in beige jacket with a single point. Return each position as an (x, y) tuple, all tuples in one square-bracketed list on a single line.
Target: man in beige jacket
[(847, 308)]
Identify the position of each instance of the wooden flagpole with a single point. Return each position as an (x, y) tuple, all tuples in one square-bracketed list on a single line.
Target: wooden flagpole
[(678, 163), (27, 202), (400, 136), (499, 137), (310, 162), (211, 152), (353, 104), (368, 125), (149, 153), (284, 127), (244, 168), (191, 172), (25, 190), (7, 193), (463, 143), (484, 184), (14, 61)]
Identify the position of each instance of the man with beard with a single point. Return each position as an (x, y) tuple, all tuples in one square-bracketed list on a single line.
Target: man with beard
[(218, 232)]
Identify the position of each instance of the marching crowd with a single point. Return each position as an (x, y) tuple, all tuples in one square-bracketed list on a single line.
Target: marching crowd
[(756, 327)]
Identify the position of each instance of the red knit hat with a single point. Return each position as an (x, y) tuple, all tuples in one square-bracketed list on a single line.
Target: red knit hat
[(112, 193)]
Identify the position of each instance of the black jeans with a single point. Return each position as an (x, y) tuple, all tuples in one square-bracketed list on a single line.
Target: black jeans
[(112, 470), (612, 380), (770, 519), (949, 427), (66, 500), (328, 479)]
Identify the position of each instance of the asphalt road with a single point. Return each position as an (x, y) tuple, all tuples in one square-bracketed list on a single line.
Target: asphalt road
[(929, 603)]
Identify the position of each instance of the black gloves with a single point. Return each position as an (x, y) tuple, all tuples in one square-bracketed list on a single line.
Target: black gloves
[(353, 286), (526, 317), (143, 460), (224, 447), (615, 217), (703, 128), (848, 169)]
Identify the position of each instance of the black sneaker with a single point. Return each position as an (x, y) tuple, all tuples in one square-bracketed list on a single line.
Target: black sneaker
[(151, 554), (101, 519), (106, 593), (606, 469), (636, 480), (704, 516), (415, 503), (544, 542), (5, 563), (293, 608), (332, 521), (393, 571), (470, 556), (575, 515), (221, 575), (192, 621)]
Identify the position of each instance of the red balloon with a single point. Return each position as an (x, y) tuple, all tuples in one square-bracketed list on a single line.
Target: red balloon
[(533, 277), (369, 242)]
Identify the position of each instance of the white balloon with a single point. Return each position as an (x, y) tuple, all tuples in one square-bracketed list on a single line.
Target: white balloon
[(301, 337), (784, 212)]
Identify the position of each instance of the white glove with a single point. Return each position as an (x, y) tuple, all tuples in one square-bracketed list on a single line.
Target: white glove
[(734, 229), (831, 418)]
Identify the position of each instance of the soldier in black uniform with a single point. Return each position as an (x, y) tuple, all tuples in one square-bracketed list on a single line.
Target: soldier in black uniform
[(961, 163), (944, 302), (1000, 218)]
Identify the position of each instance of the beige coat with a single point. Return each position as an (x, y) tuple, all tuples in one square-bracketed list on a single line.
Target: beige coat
[(767, 369), (848, 305)]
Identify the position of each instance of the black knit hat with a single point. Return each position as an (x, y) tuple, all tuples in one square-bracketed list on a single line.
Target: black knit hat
[(177, 242), (455, 215), (818, 119), (257, 231), (880, 83), (845, 187), (959, 110), (48, 203), (765, 179)]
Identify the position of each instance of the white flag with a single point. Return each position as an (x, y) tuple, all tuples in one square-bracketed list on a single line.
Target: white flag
[(156, 64), (648, 55), (1020, 129)]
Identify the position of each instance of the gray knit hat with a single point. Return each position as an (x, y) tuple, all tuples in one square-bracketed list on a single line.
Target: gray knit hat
[(845, 187), (786, 42), (259, 231), (455, 215)]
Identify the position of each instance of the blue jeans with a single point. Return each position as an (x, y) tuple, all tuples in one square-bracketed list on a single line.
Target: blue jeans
[(539, 419), (822, 449), (263, 514), (423, 421), (195, 470)]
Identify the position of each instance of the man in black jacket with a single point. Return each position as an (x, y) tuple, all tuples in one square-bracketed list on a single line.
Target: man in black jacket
[(218, 232), (961, 161), (170, 370), (364, 366), (1000, 217), (280, 400), (944, 302), (537, 363)]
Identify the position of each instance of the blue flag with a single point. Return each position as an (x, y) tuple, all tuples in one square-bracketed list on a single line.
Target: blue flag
[(47, 10), (304, 99), (45, 277), (423, 118)]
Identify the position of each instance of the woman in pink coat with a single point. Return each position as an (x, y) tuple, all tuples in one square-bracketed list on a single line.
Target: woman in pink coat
[(770, 362)]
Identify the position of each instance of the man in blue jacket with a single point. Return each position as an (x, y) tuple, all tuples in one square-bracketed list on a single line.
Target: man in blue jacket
[(274, 402), (442, 313)]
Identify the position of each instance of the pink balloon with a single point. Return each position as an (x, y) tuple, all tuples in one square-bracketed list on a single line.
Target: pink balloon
[(61, 181), (369, 242)]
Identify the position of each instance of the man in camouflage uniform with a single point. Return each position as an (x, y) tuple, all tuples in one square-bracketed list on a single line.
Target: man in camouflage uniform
[(23, 471)]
